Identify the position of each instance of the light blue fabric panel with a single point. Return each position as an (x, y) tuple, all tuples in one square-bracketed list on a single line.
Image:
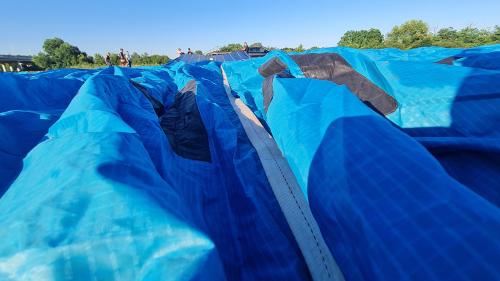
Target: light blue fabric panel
[(386, 207)]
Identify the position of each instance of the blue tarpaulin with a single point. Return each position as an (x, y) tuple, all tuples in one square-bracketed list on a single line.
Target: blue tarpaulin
[(102, 195), (149, 173), (414, 195)]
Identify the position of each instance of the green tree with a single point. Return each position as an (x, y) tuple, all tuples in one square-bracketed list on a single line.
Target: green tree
[(349, 38), (114, 59), (50, 45), (65, 55), (373, 38), (198, 52), (59, 54), (300, 49), (42, 60), (99, 59), (287, 50), (231, 48), (256, 45), (362, 38), (313, 48), (409, 33), (269, 48), (447, 34), (134, 56), (468, 35), (495, 35), (474, 35)]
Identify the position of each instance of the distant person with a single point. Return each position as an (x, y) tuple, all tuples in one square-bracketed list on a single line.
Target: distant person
[(179, 53), (108, 60), (123, 61), (189, 51), (129, 59), (245, 47)]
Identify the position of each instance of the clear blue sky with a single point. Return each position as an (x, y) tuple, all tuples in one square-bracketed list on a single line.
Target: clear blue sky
[(160, 27)]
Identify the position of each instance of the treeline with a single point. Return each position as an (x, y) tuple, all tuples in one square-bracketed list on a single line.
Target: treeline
[(137, 60), (416, 33), (236, 46), (59, 54), (411, 34)]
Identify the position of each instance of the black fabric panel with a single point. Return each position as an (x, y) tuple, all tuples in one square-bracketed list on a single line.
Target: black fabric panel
[(272, 66), (333, 67), (184, 128), (267, 88), (448, 60), (157, 105)]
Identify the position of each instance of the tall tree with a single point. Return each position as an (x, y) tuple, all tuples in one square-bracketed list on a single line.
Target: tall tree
[(495, 36), (300, 49), (65, 56), (474, 35), (99, 59), (447, 34), (362, 38), (42, 60), (409, 32), (59, 54), (50, 45)]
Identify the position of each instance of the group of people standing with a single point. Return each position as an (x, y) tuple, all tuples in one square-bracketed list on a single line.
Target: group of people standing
[(179, 52), (125, 59)]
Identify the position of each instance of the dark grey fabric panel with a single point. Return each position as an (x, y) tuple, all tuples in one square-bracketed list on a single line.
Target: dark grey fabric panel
[(333, 67), (184, 128), (267, 87), (272, 66), (448, 60), (157, 105)]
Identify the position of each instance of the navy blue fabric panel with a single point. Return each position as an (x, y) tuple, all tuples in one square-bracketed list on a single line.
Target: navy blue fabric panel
[(448, 60), (227, 57), (489, 61), (239, 55), (473, 162), (243, 55), (333, 67), (184, 128), (267, 87), (181, 58), (272, 66)]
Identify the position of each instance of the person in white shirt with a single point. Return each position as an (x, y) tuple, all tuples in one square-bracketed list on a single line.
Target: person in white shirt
[(179, 53), (129, 59)]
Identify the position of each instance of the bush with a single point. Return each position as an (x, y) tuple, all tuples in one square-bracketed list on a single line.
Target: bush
[(415, 34), (59, 54)]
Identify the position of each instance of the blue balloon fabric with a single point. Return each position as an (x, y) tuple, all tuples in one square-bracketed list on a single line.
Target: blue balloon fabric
[(414, 195), (101, 194), (147, 173)]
